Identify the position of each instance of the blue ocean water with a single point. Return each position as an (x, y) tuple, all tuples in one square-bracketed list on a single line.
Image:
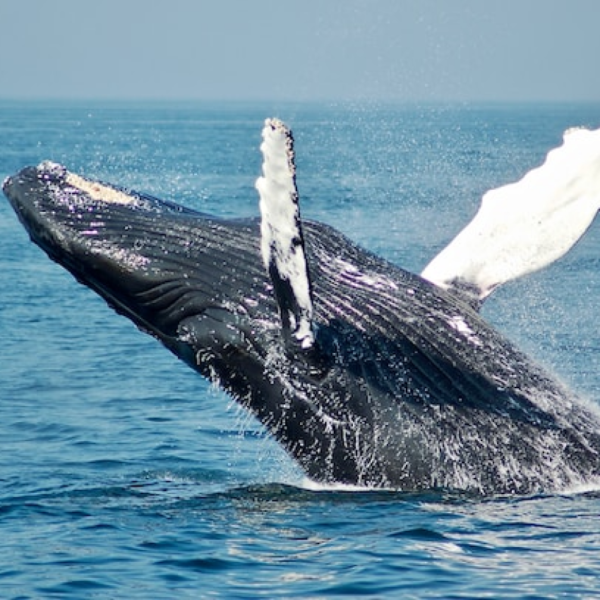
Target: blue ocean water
[(124, 474)]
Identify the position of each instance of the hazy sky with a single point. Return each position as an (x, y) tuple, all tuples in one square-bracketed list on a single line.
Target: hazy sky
[(301, 49)]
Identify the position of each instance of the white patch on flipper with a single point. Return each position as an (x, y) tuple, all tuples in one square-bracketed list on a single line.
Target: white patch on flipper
[(280, 225), (527, 225)]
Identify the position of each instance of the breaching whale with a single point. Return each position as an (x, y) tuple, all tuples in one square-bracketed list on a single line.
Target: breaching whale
[(365, 373)]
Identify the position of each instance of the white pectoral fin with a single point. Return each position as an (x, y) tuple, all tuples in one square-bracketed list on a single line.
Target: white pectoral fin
[(525, 226), (282, 242)]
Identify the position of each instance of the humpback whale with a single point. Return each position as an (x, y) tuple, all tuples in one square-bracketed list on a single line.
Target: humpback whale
[(365, 373)]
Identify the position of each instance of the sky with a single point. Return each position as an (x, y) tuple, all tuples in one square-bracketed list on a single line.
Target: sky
[(390, 50)]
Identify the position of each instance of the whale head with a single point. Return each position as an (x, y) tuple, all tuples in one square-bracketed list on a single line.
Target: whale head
[(164, 266), (198, 284)]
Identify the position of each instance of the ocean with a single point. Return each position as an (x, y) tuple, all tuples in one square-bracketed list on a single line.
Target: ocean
[(123, 474)]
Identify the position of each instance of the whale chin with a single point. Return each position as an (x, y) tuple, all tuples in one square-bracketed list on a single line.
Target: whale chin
[(366, 374)]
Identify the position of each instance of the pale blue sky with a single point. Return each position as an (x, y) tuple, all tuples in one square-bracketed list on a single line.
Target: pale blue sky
[(438, 50)]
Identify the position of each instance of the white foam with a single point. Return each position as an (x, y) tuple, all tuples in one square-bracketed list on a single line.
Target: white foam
[(525, 226), (314, 486), (591, 486), (458, 323)]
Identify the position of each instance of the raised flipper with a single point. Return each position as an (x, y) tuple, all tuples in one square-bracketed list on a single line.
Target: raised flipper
[(282, 242), (525, 226)]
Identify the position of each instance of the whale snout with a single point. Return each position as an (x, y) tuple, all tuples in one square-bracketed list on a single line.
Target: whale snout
[(21, 186), (34, 203), (36, 192), (145, 256), (67, 214), (14, 186)]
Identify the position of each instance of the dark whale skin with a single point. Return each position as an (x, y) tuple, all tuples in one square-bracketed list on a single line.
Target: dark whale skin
[(407, 387)]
